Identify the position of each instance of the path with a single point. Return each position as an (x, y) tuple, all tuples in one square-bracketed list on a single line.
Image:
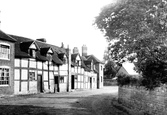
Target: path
[(86, 102)]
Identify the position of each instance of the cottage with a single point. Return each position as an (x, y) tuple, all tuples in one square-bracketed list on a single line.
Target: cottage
[(34, 66)]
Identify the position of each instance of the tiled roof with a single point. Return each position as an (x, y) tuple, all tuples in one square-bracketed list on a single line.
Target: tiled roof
[(56, 60), (23, 43), (83, 58), (41, 57), (73, 56), (55, 48), (44, 50), (24, 46), (92, 57), (18, 50), (6, 37)]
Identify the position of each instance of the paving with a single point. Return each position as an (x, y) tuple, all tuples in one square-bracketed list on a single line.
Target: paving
[(80, 102)]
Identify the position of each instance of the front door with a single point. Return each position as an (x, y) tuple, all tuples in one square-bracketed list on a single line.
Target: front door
[(72, 82), (40, 84), (90, 83), (56, 84)]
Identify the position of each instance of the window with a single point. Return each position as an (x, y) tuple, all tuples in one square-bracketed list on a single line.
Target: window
[(101, 68), (64, 60), (49, 56), (101, 79), (61, 79), (4, 76), (4, 51), (31, 76), (77, 62), (32, 53)]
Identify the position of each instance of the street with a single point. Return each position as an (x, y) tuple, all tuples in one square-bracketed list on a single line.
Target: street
[(83, 102)]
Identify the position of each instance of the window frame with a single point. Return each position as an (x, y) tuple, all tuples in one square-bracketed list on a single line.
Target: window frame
[(32, 76), (9, 52), (9, 70), (32, 52), (62, 79)]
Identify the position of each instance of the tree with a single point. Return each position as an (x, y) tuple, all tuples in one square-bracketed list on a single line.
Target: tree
[(110, 69), (136, 30)]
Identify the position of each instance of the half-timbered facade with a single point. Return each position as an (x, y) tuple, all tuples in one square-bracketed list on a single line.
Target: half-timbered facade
[(34, 66)]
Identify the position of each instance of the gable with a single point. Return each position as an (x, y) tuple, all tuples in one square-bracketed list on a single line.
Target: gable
[(33, 46), (78, 58), (50, 51)]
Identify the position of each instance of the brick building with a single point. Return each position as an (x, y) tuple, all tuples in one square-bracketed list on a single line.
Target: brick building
[(6, 64)]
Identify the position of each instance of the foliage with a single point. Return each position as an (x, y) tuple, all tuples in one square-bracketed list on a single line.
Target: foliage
[(138, 28), (154, 74), (129, 80), (137, 31), (110, 69)]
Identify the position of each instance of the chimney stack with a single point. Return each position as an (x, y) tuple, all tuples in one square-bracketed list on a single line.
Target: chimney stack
[(42, 40), (84, 50), (75, 50)]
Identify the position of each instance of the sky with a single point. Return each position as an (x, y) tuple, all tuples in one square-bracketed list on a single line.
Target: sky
[(67, 21)]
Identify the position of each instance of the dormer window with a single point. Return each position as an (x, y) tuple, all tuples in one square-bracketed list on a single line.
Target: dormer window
[(32, 50), (49, 54), (4, 51), (77, 62), (32, 53), (92, 66)]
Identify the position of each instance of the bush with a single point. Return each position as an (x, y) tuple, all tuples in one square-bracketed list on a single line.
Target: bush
[(128, 80)]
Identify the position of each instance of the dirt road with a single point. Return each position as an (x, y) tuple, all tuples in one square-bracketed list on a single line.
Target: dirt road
[(86, 102)]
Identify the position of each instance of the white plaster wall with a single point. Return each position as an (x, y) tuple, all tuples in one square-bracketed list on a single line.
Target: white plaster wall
[(16, 87), (63, 87), (33, 87), (24, 87), (56, 68), (39, 65), (79, 85), (45, 75), (16, 74), (24, 63), (82, 86), (79, 78), (51, 75), (52, 85), (64, 67), (17, 62), (50, 67), (24, 74), (72, 69), (39, 72), (46, 87), (45, 65), (63, 72), (76, 84), (32, 64)]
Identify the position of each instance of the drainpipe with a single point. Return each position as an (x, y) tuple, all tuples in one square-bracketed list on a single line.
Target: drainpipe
[(69, 69)]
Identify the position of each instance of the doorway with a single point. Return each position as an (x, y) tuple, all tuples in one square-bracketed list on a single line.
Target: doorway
[(72, 82), (90, 83), (56, 84), (40, 83)]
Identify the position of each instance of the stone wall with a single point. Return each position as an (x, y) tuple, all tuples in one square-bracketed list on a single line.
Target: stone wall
[(144, 101)]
